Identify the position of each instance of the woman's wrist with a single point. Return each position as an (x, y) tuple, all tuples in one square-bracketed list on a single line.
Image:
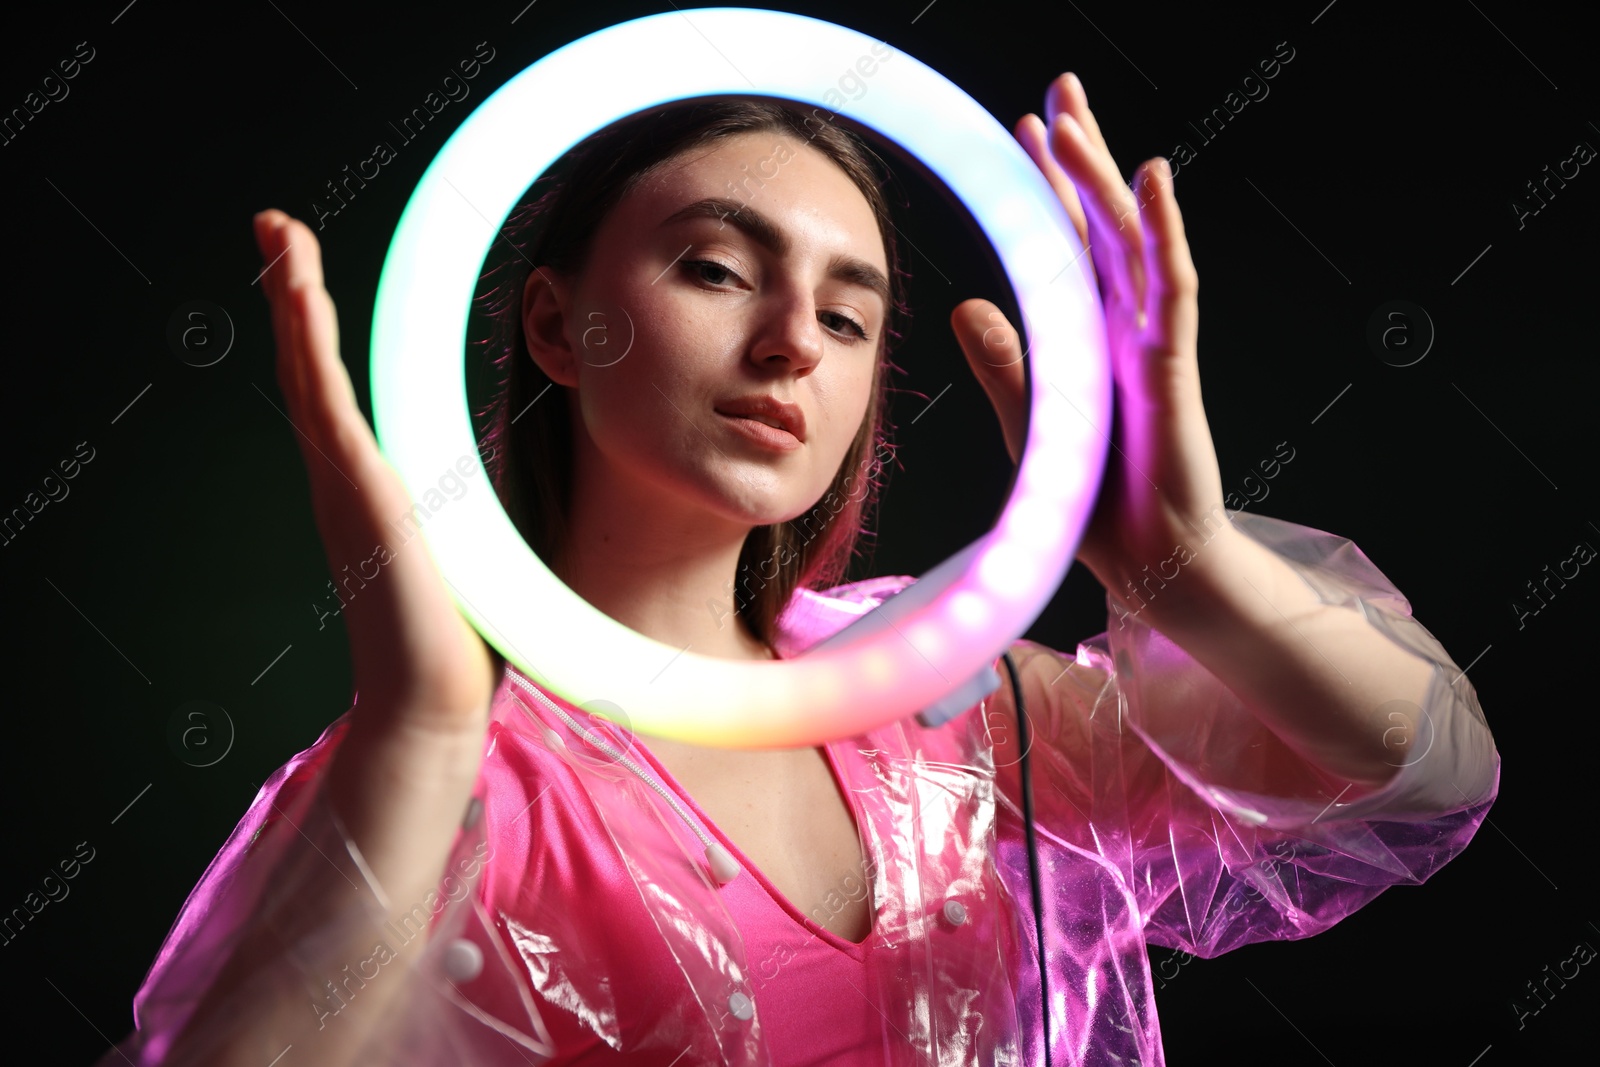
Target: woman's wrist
[(400, 794)]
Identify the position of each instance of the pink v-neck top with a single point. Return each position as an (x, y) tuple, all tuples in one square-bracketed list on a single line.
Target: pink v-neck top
[(582, 918), (780, 940), (779, 935)]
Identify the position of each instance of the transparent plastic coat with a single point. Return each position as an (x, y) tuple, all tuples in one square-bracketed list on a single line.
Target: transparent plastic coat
[(1165, 814)]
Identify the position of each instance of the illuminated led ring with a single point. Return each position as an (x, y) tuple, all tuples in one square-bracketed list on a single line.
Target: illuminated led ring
[(914, 651)]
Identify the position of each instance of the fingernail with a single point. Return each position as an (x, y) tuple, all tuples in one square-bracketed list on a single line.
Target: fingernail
[(1079, 84)]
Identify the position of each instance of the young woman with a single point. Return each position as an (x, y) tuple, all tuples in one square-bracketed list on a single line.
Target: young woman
[(467, 868)]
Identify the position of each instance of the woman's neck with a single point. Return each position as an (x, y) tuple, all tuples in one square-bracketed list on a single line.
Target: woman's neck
[(680, 594)]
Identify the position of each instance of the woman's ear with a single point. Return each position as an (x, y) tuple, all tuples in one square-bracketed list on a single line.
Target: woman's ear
[(545, 307)]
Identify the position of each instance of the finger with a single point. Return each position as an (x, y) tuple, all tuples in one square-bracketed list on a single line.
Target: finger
[(306, 258), (1033, 136), (994, 351), (316, 388), (353, 488), (271, 233), (327, 380), (308, 272), (1113, 217), (330, 395), (1067, 94), (1172, 298)]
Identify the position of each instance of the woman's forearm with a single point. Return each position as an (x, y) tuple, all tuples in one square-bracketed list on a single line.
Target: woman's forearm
[(1335, 689), (270, 999), (336, 939)]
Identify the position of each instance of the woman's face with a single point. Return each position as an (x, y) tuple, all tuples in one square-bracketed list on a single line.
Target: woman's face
[(749, 268)]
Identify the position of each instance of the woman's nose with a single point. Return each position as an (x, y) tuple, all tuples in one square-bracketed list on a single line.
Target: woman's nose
[(788, 332)]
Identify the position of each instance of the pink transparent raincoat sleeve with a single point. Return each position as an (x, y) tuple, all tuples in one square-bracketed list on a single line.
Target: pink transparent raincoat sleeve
[(1222, 833), (288, 850)]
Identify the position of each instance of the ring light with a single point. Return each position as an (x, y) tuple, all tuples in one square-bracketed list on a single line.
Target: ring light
[(926, 647)]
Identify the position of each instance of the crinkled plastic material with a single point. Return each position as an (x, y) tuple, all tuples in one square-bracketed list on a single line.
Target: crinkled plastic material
[(1165, 814)]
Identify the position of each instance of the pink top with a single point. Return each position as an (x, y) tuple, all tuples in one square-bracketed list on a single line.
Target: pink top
[(579, 920), (799, 1012)]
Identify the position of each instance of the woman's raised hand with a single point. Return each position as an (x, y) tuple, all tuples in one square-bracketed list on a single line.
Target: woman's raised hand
[(412, 652), (1162, 481), (424, 679)]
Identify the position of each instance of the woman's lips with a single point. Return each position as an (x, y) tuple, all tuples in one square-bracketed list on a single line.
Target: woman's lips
[(755, 430)]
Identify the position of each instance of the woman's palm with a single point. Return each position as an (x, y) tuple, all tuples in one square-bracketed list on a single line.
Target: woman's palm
[(415, 659)]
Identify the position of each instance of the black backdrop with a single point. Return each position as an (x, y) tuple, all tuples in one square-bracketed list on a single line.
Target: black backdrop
[(1384, 165)]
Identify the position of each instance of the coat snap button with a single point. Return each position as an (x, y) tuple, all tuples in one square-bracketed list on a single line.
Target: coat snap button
[(463, 960), (955, 912), (741, 1006), (473, 814)]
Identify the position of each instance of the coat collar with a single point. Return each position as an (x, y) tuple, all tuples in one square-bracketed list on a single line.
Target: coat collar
[(812, 615)]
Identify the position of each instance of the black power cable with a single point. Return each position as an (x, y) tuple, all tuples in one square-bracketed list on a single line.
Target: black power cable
[(1033, 849)]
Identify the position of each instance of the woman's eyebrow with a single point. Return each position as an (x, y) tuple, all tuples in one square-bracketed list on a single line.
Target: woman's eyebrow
[(767, 234)]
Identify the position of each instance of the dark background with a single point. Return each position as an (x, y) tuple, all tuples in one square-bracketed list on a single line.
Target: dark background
[(1382, 166)]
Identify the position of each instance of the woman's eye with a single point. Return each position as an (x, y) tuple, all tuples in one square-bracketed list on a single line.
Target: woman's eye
[(700, 267), (846, 324)]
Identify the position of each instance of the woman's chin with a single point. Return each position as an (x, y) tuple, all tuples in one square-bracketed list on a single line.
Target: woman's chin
[(752, 509)]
